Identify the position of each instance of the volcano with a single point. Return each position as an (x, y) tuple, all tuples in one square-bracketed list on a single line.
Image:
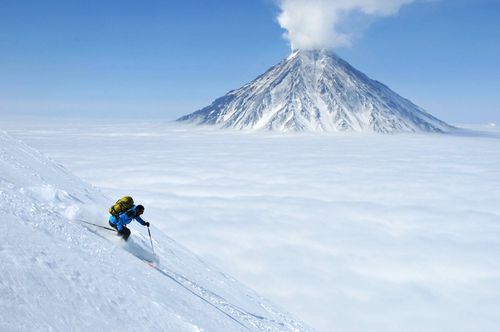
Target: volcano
[(315, 90)]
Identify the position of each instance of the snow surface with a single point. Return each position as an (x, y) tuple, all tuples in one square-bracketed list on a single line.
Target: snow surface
[(59, 274), (350, 232), (315, 90)]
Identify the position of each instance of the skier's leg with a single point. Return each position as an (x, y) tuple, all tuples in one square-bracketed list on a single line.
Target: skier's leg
[(125, 233)]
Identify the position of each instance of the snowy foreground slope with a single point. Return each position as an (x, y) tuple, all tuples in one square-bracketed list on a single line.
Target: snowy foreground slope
[(315, 90), (56, 274)]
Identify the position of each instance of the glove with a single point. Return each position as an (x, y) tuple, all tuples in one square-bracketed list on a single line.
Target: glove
[(146, 224)]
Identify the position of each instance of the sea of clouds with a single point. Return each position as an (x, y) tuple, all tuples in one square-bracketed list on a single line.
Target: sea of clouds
[(350, 232)]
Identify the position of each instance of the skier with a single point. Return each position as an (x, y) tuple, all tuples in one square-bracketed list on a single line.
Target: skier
[(120, 221)]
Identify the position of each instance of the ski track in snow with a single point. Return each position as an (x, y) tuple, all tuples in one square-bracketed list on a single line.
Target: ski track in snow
[(233, 312), (352, 232)]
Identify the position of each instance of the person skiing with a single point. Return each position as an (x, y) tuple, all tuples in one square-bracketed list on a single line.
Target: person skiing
[(120, 221)]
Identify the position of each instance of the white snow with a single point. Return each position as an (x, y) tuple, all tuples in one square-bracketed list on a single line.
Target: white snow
[(58, 274), (350, 232), (316, 91)]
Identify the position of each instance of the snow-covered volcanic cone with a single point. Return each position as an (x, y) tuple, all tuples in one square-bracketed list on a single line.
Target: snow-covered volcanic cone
[(316, 91)]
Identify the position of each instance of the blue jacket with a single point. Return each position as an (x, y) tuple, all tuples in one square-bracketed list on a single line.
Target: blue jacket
[(126, 218)]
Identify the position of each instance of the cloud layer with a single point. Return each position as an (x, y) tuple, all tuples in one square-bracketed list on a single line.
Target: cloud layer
[(313, 24)]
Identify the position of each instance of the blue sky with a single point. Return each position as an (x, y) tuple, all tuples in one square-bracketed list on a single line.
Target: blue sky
[(163, 59)]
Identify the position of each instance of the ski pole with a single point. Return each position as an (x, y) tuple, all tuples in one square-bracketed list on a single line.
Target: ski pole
[(153, 249), (108, 228)]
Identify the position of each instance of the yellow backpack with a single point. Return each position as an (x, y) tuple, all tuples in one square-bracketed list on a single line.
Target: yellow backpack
[(121, 205)]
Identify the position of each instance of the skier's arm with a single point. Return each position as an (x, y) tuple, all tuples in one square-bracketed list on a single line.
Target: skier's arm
[(141, 221)]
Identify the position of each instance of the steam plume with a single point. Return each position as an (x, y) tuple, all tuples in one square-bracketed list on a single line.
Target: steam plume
[(314, 24)]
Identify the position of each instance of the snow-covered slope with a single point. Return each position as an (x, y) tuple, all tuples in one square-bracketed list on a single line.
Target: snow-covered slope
[(316, 91), (57, 274)]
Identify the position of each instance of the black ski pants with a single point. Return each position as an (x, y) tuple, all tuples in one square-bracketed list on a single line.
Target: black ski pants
[(124, 233)]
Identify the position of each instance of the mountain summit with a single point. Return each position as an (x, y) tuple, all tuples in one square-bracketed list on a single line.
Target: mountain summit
[(316, 91)]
